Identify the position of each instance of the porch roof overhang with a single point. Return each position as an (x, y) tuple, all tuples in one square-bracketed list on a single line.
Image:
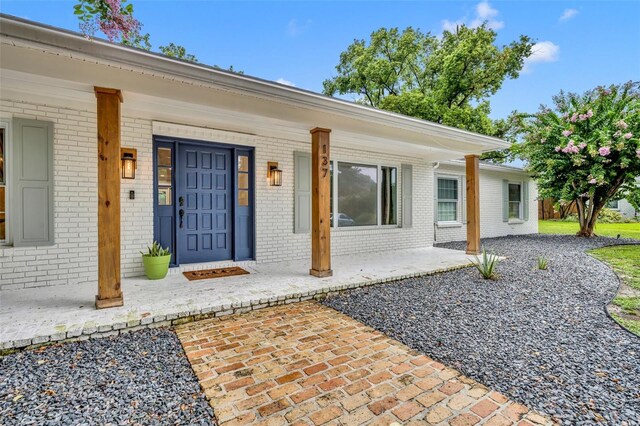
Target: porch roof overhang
[(42, 62)]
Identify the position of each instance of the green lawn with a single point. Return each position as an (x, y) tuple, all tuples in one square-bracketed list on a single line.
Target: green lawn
[(625, 261), (626, 230)]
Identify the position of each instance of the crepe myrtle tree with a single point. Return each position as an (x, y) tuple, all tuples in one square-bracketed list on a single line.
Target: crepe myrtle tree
[(585, 149)]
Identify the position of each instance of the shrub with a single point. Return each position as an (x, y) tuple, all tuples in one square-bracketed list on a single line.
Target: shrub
[(543, 263), (611, 216), (486, 265)]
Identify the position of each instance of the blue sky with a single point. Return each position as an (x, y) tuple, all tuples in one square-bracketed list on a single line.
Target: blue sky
[(581, 44)]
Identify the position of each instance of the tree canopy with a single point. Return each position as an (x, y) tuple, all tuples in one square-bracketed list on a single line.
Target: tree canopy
[(585, 149), (446, 79)]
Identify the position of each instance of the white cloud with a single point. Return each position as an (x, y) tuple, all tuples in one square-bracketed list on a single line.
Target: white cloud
[(483, 12), (544, 51), (285, 82), (568, 14), (295, 28)]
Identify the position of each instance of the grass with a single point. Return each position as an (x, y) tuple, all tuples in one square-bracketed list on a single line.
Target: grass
[(631, 325), (626, 230), (625, 261)]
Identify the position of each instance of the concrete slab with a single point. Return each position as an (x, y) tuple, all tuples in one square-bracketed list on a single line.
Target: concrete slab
[(38, 315)]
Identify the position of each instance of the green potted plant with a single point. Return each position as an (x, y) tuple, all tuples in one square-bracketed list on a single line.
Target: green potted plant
[(156, 261)]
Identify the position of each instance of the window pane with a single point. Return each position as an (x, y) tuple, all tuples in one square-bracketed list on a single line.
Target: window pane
[(331, 194), (243, 163), (447, 189), (514, 192), (243, 197), (389, 195), (243, 180), (1, 155), (514, 210), (2, 214), (164, 176), (612, 204), (447, 211), (164, 157), (357, 195), (164, 197)]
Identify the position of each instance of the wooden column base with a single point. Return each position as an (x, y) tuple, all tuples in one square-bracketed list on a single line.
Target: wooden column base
[(321, 274), (476, 252), (109, 303)]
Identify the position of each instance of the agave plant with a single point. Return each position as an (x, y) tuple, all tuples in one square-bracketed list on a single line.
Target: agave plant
[(543, 263), (486, 265), (156, 250)]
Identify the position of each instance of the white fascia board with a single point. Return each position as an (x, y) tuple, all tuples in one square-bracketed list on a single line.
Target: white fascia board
[(18, 32)]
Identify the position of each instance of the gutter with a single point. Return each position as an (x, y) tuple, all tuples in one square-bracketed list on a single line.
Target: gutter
[(36, 35)]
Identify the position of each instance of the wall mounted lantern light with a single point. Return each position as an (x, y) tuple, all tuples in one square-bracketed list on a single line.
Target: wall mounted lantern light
[(274, 174), (128, 157)]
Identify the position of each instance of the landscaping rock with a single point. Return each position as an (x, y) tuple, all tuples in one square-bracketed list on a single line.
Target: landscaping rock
[(141, 377), (542, 338)]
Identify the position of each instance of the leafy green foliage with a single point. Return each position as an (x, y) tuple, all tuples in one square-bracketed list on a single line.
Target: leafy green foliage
[(446, 80), (543, 263), (156, 250), (486, 265), (611, 216), (178, 52), (585, 149)]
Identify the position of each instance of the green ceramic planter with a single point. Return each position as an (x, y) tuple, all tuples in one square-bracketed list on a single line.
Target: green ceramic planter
[(156, 267)]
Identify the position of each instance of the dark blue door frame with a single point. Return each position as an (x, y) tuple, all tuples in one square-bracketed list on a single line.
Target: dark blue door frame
[(243, 223)]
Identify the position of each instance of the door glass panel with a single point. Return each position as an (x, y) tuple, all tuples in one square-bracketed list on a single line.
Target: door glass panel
[(1, 155), (243, 163), (164, 157), (164, 197), (243, 180), (164, 176), (243, 197)]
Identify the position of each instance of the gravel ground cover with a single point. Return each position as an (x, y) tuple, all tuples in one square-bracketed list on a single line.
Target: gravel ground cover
[(140, 377), (541, 337)]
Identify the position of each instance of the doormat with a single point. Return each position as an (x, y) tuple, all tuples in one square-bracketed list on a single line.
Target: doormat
[(205, 274)]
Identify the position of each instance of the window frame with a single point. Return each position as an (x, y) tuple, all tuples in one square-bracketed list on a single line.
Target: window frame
[(616, 208), (520, 217), (5, 124), (459, 201), (334, 201), (457, 180)]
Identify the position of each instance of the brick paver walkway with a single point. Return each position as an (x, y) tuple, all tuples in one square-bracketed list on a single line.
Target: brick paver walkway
[(308, 364)]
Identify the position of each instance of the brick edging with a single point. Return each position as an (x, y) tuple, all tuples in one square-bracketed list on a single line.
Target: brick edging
[(116, 328)]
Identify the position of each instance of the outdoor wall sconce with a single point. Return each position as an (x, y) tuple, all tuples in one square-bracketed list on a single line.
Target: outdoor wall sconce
[(274, 174), (128, 157)]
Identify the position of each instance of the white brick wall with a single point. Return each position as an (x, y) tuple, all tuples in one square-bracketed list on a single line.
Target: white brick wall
[(73, 257), (491, 224)]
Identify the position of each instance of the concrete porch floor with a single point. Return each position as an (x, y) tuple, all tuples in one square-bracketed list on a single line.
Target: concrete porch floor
[(39, 315)]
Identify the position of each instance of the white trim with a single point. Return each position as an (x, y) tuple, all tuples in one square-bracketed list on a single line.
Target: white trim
[(520, 218), (5, 123), (459, 201), (25, 34), (334, 202)]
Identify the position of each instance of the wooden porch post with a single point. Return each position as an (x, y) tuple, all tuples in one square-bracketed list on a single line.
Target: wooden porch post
[(473, 203), (320, 204), (109, 292)]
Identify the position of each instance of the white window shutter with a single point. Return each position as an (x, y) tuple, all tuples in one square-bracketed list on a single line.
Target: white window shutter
[(407, 195), (32, 183), (302, 192), (505, 200)]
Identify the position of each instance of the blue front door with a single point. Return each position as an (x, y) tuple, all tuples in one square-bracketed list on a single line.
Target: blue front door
[(204, 203)]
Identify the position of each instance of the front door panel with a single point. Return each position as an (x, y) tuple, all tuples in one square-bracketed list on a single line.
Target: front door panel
[(205, 210)]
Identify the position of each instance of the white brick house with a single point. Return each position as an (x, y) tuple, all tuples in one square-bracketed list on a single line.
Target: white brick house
[(398, 182)]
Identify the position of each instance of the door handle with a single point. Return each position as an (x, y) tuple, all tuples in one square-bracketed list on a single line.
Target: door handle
[(181, 214)]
